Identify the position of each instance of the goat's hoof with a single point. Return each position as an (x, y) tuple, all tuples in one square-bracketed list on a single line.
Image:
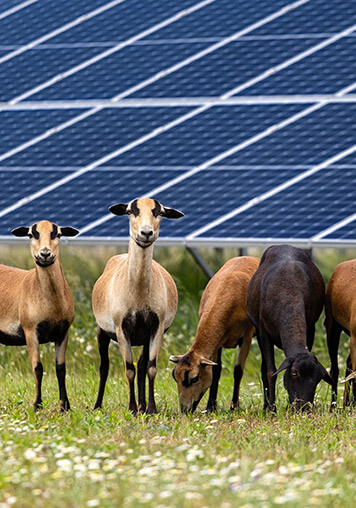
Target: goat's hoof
[(211, 408), (151, 410), (234, 406), (133, 409), (37, 406), (142, 408), (64, 407), (97, 406)]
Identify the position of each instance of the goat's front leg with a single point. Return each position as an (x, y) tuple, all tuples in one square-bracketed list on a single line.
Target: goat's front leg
[(268, 369), (103, 344), (141, 378), (213, 392), (155, 348), (244, 350), (126, 352), (60, 352), (37, 367)]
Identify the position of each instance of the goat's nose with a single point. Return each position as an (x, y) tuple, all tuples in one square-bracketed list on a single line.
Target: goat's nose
[(45, 253), (146, 231)]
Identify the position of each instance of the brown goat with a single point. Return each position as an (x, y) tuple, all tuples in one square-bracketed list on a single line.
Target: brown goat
[(36, 306), (135, 301), (340, 315), (223, 322)]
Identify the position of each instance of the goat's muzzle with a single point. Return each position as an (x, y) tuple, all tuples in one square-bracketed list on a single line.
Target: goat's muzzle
[(45, 258)]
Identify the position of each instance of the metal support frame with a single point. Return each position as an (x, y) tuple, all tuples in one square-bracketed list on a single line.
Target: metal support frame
[(200, 261)]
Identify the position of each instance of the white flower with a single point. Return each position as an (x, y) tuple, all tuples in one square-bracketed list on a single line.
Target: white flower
[(29, 454), (93, 502)]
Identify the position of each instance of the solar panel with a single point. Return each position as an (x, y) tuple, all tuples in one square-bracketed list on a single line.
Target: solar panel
[(241, 114)]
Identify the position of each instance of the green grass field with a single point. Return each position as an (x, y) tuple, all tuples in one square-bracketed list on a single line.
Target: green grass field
[(110, 458)]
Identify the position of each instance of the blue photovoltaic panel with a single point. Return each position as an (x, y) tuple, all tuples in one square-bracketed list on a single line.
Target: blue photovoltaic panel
[(207, 159), (30, 69), (309, 141), (94, 137), (87, 198), (17, 184), (226, 68), (41, 17), (207, 135), (301, 211), (327, 71), (220, 19), (129, 66), (17, 127), (123, 21), (315, 17), (347, 232)]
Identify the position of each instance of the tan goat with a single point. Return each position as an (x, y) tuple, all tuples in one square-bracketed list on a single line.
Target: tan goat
[(135, 301), (36, 306), (223, 322), (340, 315)]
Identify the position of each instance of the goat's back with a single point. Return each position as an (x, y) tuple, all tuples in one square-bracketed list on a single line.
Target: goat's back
[(341, 294), (11, 280), (286, 284)]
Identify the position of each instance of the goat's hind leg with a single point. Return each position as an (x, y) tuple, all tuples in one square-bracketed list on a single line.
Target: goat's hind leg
[(350, 398), (155, 348), (37, 367), (244, 350), (60, 352), (333, 332), (103, 344)]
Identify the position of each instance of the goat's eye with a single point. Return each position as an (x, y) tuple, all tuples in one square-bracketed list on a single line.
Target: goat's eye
[(294, 373), (194, 379)]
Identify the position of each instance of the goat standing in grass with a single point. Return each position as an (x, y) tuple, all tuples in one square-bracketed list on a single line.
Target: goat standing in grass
[(340, 315), (135, 301), (223, 322), (36, 306), (284, 301)]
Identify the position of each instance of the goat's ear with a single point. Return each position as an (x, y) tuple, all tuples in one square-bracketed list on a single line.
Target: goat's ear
[(205, 361), (351, 376), (119, 209), (284, 365), (21, 231), (68, 231), (171, 213), (325, 375), (175, 358)]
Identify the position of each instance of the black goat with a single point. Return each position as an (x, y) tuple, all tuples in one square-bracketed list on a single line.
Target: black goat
[(285, 298)]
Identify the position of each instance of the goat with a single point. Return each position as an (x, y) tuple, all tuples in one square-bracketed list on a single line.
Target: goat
[(36, 306), (340, 315), (135, 301), (284, 300), (223, 322)]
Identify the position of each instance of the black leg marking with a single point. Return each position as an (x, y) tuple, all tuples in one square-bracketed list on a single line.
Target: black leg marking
[(141, 378), (151, 408), (38, 371), (238, 373), (103, 344), (131, 381), (333, 332), (212, 404), (61, 376)]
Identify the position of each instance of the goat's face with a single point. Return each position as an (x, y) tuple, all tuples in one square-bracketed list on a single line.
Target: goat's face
[(303, 373), (145, 218), (44, 236), (193, 375)]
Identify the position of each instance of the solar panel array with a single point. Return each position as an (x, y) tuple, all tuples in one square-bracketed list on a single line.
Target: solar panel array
[(241, 114)]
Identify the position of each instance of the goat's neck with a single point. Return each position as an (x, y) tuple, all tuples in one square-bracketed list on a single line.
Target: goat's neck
[(51, 279), (207, 340), (294, 335), (139, 267)]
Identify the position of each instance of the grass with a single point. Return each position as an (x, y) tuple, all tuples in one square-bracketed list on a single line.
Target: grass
[(109, 458)]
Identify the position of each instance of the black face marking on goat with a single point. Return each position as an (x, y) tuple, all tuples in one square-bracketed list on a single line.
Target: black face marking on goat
[(134, 208), (35, 233), (157, 209), (186, 381), (54, 232)]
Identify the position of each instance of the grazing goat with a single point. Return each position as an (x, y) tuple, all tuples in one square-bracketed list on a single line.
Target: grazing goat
[(340, 315), (135, 301), (223, 322), (36, 306), (284, 300)]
